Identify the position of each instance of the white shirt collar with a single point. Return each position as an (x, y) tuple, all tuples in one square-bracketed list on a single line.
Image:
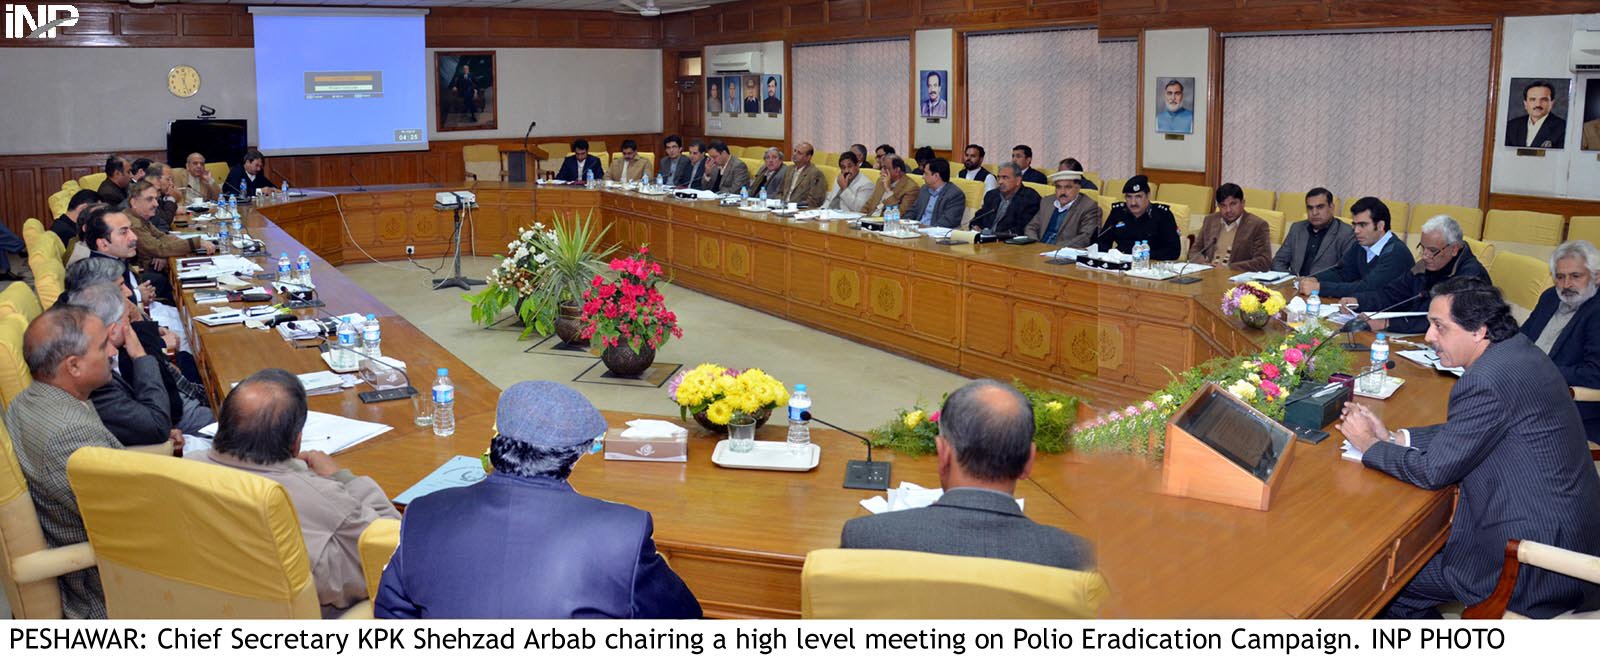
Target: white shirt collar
[(1533, 127), (1376, 249)]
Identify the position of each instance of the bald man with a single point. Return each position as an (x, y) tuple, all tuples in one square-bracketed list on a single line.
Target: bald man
[(194, 181)]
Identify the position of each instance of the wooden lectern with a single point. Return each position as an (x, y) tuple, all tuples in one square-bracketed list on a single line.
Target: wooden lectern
[(516, 161), (1221, 449)]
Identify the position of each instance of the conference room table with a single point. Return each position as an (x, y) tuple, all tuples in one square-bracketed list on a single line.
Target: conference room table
[(1338, 541)]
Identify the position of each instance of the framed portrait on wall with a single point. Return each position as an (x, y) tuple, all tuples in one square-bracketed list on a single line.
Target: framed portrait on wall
[(771, 94), (731, 85), (1533, 112), (1175, 104), (1591, 116), (934, 102), (714, 95), (464, 88), (752, 94)]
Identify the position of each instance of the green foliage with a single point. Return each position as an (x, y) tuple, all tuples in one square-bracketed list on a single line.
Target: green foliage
[(547, 267), (912, 431)]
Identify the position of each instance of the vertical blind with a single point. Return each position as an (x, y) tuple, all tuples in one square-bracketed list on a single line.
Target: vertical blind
[(852, 93)]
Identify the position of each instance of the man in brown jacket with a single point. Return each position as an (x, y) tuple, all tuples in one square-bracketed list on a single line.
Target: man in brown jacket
[(807, 185), (155, 245), (1073, 218), (194, 181), (1233, 237), (893, 188)]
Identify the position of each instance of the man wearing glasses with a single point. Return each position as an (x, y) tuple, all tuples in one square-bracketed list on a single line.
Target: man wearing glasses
[(1376, 258), (1442, 255)]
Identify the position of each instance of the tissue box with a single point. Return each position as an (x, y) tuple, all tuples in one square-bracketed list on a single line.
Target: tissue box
[(652, 449)]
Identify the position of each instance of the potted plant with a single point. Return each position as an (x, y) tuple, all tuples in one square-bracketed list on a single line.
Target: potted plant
[(628, 315), (716, 396), (1253, 303), (544, 275)]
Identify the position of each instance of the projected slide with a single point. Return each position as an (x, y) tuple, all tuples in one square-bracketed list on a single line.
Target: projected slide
[(340, 80)]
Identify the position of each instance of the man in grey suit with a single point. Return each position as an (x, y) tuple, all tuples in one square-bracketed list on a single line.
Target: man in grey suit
[(1316, 244), (675, 168), (1072, 218), (985, 445), (68, 351), (939, 204), (724, 173), (1513, 441)]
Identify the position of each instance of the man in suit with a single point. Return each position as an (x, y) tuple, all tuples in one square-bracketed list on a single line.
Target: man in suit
[(773, 177), (260, 433), (1317, 243), (922, 156), (249, 179), (580, 165), (523, 543), (66, 225), (807, 186), (883, 153), (676, 168), (972, 168), (155, 246), (1444, 255), (751, 103), (1074, 165), (697, 165), (1566, 323), (1022, 156), (1515, 445), (934, 104), (713, 97), (194, 180), (1007, 209), (985, 445), (115, 187), (851, 191), (1377, 257), (939, 203), (1537, 127), (773, 103), (724, 173), (1233, 237), (133, 404), (1137, 219), (68, 353), (893, 188), (631, 167), (1071, 218)]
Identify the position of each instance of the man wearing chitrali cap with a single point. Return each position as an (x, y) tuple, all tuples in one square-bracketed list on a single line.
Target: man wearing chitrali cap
[(1138, 219), (522, 543)]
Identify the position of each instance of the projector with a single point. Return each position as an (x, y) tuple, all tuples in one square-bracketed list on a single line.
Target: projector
[(448, 199)]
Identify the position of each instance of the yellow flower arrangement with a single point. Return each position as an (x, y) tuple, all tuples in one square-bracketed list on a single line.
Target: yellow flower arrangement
[(721, 393), (914, 417), (1053, 405), (1249, 303), (1274, 303)]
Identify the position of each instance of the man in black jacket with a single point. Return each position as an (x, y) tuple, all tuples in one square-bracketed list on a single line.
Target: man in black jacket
[(1377, 257), (1566, 323), (1137, 219), (581, 164), (1445, 255), (134, 404), (1007, 209)]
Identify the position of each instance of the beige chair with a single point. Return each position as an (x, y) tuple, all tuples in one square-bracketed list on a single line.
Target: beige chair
[(597, 147), (14, 375), (1539, 555), (1275, 221), (19, 299), (973, 190), (917, 179), (872, 174), (1093, 177), (1522, 279), (58, 202), (1584, 227), (483, 162), (1469, 218), (554, 152), (1530, 233), (1199, 200), (92, 181), (219, 171), (830, 174), (28, 565), (1255, 198), (1113, 189), (884, 584)]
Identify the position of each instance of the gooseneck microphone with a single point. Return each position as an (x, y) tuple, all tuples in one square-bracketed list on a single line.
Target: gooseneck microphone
[(859, 474)]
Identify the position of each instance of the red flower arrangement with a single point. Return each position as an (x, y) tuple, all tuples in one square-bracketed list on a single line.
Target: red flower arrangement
[(630, 310)]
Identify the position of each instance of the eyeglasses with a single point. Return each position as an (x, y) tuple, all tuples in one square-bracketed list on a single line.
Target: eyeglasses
[(1429, 252)]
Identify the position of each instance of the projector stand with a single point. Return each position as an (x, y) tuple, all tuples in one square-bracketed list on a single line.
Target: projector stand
[(456, 280)]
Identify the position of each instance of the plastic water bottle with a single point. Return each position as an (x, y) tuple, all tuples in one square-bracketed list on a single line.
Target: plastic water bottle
[(763, 197), (1374, 382), (285, 271), (444, 405), (303, 269), (238, 227), (744, 195), (372, 337), (661, 180), (1314, 307), (224, 239), (344, 357), (799, 428), (588, 178)]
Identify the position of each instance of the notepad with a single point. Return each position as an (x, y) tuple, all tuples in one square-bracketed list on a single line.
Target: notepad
[(328, 433), (458, 471)]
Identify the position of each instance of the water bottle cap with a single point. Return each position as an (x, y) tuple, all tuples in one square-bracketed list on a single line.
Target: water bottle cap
[(444, 371), (371, 316), (1314, 292), (283, 255), (799, 387), (1381, 336)]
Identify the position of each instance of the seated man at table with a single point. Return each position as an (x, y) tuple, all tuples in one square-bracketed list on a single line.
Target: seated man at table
[(133, 405), (631, 167), (1073, 164), (697, 164), (522, 543), (166, 196), (1137, 219), (972, 167), (66, 225), (156, 245), (109, 233), (893, 188), (1566, 323), (249, 178), (1007, 209), (1071, 218), (114, 188), (1233, 237), (852, 190), (1513, 441), (725, 173), (773, 177), (1445, 255), (675, 166), (985, 445), (580, 165), (260, 432), (939, 204), (1377, 257), (1022, 155), (67, 351), (1316, 244), (807, 185), (195, 181)]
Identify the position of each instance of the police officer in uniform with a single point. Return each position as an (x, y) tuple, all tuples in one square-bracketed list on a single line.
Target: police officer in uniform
[(1137, 219)]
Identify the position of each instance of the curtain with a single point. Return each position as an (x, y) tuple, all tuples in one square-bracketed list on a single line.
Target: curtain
[(1397, 115), (1061, 92), (852, 93)]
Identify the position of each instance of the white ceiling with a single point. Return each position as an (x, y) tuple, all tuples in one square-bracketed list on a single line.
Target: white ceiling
[(584, 5)]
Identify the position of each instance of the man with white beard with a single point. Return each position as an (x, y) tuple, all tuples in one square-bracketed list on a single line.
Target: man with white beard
[(1566, 323)]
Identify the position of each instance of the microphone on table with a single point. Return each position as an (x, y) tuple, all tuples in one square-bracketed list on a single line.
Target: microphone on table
[(1359, 323), (1185, 280), (859, 474), (352, 172)]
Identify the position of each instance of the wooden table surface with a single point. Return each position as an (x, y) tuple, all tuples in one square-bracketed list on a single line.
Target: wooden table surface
[(1338, 542)]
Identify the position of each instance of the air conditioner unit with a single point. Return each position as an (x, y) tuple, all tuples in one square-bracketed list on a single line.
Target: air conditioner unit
[(1586, 51), (737, 63)]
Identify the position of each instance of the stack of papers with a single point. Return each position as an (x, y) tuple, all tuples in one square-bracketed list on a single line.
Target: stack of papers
[(1350, 452), (458, 471), (935, 232), (325, 432), (1068, 254), (210, 296), (324, 382), (225, 316), (1427, 359), (906, 497), (1268, 277), (215, 266)]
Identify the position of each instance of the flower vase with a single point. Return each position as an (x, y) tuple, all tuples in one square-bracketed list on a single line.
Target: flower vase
[(759, 419), (625, 363), (568, 328), (1255, 320)]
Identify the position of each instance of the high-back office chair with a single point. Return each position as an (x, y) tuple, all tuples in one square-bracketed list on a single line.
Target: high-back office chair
[(19, 299), (28, 565), (1530, 233), (92, 181), (881, 583), (1197, 198), (974, 191), (1469, 218), (1255, 198), (1584, 227), (14, 375), (1522, 279), (483, 161), (1275, 223)]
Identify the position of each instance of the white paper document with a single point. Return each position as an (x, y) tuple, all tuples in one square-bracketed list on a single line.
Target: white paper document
[(1427, 359), (1268, 277), (327, 433), (906, 497), (1392, 315), (1068, 254), (1351, 453)]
